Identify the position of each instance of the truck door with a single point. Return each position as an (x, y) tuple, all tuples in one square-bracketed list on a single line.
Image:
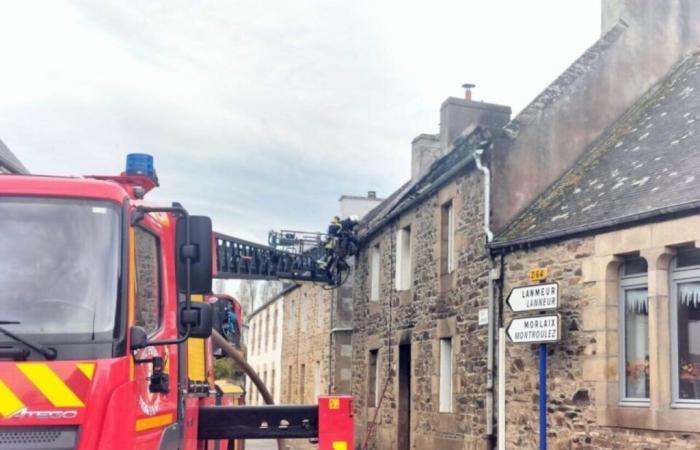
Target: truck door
[(153, 307)]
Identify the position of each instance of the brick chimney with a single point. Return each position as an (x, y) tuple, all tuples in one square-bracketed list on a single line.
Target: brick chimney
[(456, 115)]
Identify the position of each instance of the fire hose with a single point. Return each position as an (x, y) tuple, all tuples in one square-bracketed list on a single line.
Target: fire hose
[(239, 359)]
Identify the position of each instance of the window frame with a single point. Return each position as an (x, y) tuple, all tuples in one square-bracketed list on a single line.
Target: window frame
[(404, 255), (678, 275), (159, 255), (373, 372), (447, 238), (628, 283), (375, 270), (446, 378)]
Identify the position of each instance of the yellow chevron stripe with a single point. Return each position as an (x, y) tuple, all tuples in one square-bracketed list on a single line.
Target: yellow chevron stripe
[(154, 422), (46, 380), (88, 369), (9, 403)]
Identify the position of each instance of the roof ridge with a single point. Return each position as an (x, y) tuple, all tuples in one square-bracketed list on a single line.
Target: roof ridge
[(553, 91)]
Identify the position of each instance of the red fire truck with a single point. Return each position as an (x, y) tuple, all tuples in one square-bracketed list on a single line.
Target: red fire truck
[(105, 323)]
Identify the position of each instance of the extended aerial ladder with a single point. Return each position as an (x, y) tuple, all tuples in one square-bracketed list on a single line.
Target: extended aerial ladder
[(240, 259), (298, 257)]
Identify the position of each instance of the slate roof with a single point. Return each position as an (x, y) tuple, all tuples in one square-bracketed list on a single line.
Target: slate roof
[(646, 165), (9, 162), (426, 182)]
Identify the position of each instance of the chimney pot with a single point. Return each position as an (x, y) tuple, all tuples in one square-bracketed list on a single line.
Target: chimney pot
[(468, 90)]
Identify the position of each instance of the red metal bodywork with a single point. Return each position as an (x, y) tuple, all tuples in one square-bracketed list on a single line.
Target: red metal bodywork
[(109, 398)]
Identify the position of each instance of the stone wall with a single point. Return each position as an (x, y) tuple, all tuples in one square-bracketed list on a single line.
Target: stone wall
[(436, 306), (584, 410), (305, 348)]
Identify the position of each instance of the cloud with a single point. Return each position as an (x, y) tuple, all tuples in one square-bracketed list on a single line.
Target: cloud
[(262, 114)]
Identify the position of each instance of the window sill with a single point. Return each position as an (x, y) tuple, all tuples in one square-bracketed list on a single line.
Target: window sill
[(679, 420), (405, 296), (634, 404), (689, 405)]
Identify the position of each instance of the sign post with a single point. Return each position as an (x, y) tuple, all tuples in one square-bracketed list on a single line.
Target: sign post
[(536, 329), (543, 396)]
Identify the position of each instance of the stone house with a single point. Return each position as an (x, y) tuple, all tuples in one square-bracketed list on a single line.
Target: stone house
[(596, 181), (316, 343), (264, 346)]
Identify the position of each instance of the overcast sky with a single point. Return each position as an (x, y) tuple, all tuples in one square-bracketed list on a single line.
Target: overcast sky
[(262, 113)]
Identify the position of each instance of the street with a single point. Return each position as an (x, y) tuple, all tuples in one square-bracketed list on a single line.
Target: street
[(266, 444)]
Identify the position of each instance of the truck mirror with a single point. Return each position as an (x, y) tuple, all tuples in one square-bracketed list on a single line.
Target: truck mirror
[(138, 337), (198, 252), (198, 316)]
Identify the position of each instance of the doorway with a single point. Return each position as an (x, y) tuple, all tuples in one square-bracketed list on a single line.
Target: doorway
[(404, 423)]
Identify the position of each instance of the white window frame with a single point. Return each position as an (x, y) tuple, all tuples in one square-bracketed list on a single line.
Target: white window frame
[(446, 375), (375, 261), (404, 276), (628, 283), (450, 237), (679, 276)]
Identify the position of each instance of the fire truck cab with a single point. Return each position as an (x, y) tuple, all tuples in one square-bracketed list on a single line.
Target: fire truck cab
[(104, 321)]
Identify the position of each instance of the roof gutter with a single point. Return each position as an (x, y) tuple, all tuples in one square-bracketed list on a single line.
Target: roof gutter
[(603, 225)]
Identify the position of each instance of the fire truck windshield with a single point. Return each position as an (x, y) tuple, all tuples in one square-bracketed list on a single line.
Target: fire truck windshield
[(60, 268)]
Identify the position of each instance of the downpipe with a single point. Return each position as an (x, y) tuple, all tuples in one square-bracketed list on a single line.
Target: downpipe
[(493, 275)]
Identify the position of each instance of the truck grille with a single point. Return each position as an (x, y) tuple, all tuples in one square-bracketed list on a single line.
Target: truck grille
[(32, 438)]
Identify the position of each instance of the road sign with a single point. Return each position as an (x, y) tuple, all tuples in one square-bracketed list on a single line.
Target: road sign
[(536, 297), (537, 274), (535, 329)]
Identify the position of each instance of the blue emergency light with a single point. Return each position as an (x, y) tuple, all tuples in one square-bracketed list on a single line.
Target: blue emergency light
[(140, 164)]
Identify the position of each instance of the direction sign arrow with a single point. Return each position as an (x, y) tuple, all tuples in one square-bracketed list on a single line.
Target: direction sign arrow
[(537, 297), (535, 329)]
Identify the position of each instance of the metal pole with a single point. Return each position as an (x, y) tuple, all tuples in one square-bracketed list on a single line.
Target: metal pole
[(543, 396)]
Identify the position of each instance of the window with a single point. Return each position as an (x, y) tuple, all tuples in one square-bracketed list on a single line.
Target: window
[(302, 382), (447, 255), (446, 375), (289, 384), (148, 308), (274, 330), (372, 379), (634, 338), (272, 384), (317, 380), (292, 316), (403, 259), (251, 337), (259, 344), (685, 326), (304, 312), (267, 329), (264, 378), (375, 256)]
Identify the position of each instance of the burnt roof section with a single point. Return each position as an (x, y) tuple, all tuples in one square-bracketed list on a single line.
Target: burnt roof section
[(431, 178), (646, 165), (9, 162)]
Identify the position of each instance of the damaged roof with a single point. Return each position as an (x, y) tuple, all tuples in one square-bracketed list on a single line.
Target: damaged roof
[(646, 165), (425, 183)]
